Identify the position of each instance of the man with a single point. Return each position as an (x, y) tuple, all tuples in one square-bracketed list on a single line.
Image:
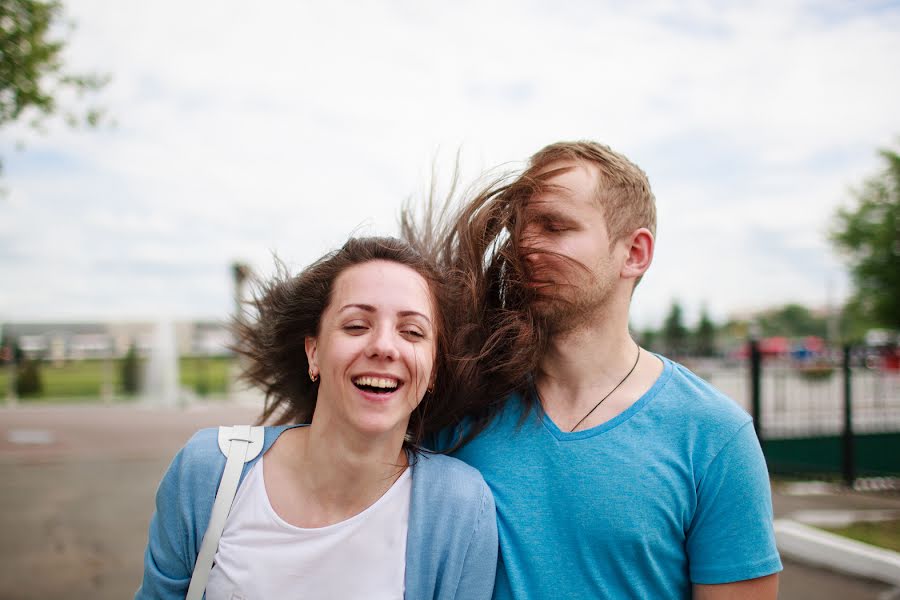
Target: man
[(616, 472)]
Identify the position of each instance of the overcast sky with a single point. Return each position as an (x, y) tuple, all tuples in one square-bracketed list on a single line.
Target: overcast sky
[(245, 129)]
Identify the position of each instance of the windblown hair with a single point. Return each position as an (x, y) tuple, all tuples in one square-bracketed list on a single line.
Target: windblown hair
[(623, 190), (290, 308), (497, 340)]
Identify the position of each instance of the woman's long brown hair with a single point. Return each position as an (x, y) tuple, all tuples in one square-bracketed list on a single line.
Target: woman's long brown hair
[(289, 309), (496, 341)]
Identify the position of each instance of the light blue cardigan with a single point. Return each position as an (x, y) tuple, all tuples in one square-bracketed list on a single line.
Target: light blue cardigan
[(451, 545)]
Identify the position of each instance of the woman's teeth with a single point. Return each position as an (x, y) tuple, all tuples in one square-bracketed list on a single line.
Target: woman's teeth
[(380, 383)]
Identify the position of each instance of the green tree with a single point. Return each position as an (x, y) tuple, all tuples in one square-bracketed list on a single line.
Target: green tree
[(868, 234), (674, 332), (33, 75), (28, 378), (855, 322), (705, 335), (10, 351), (791, 320), (131, 371), (649, 339)]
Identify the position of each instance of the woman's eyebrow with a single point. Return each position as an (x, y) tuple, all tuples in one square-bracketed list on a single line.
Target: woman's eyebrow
[(364, 307), (370, 309), (410, 313)]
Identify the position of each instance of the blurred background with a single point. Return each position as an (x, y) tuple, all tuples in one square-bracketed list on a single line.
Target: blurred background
[(156, 155)]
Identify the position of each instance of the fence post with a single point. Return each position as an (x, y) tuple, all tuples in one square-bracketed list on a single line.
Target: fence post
[(755, 387), (847, 462)]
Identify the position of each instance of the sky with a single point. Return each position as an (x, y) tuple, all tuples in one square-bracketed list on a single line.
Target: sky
[(241, 131)]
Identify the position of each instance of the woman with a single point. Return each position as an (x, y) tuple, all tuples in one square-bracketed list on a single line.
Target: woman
[(344, 507)]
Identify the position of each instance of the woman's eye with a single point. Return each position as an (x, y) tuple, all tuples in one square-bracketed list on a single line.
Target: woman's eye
[(414, 333), (354, 328)]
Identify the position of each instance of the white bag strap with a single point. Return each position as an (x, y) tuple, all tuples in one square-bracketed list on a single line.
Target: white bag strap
[(240, 444)]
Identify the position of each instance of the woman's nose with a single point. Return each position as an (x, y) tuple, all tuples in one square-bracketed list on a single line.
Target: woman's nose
[(383, 344)]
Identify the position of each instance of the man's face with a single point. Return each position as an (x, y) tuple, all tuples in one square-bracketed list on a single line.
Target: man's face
[(567, 256)]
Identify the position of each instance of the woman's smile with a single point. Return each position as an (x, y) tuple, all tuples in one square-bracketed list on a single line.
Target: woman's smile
[(375, 348)]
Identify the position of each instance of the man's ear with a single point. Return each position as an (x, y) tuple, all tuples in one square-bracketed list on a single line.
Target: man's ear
[(639, 253), (311, 346)]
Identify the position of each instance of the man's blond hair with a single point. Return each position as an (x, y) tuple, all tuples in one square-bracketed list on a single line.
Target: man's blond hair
[(623, 190)]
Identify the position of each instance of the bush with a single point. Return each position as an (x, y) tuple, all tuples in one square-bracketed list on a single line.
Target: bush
[(816, 372), (28, 379), (131, 372)]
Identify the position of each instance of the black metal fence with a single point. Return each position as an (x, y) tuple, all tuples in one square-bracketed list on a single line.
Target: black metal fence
[(836, 416)]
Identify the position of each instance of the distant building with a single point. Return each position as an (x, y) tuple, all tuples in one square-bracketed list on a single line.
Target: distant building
[(59, 342)]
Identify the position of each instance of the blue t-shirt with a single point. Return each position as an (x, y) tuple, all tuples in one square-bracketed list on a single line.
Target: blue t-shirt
[(672, 491)]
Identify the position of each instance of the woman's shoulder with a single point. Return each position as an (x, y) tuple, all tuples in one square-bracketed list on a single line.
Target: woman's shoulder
[(452, 529), (203, 450), (199, 460), (443, 475)]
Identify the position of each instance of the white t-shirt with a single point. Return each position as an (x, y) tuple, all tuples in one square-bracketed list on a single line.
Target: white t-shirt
[(262, 557)]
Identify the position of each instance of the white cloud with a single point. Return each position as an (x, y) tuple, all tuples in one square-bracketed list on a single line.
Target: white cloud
[(285, 126)]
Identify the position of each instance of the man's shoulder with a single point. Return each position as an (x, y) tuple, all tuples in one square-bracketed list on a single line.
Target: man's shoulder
[(691, 409), (698, 397), (508, 410)]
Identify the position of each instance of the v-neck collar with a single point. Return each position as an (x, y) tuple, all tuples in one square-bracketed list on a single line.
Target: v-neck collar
[(640, 403)]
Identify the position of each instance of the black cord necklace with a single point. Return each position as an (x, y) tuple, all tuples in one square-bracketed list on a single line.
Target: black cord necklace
[(636, 359)]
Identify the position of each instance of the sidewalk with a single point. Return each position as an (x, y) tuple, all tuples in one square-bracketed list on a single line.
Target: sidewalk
[(791, 498), (78, 491), (74, 510), (812, 557)]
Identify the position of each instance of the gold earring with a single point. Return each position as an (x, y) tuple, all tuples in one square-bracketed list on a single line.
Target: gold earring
[(312, 377)]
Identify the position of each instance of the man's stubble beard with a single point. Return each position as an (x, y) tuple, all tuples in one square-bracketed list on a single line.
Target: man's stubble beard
[(562, 313)]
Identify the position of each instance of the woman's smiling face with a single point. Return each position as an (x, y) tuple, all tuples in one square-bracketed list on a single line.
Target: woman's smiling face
[(375, 349)]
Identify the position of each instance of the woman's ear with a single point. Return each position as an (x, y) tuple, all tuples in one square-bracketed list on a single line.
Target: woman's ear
[(310, 344)]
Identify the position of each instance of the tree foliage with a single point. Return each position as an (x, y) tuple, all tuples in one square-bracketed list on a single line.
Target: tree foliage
[(705, 335), (131, 371), (791, 320), (674, 333), (33, 75), (29, 382), (868, 234), (10, 350), (648, 339)]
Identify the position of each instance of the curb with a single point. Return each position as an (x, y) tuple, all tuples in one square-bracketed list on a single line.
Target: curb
[(823, 549)]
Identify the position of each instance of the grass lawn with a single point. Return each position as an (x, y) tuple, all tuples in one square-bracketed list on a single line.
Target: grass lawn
[(85, 378), (205, 375), (882, 533)]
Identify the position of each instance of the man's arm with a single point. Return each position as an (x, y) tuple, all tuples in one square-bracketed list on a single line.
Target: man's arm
[(761, 588), (731, 538)]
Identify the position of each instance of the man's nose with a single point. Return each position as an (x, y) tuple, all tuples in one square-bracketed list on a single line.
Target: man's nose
[(529, 241)]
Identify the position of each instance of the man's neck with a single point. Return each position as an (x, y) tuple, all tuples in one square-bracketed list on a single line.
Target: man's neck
[(594, 354), (591, 374)]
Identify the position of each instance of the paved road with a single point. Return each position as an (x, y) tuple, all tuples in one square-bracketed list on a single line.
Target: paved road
[(74, 511)]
